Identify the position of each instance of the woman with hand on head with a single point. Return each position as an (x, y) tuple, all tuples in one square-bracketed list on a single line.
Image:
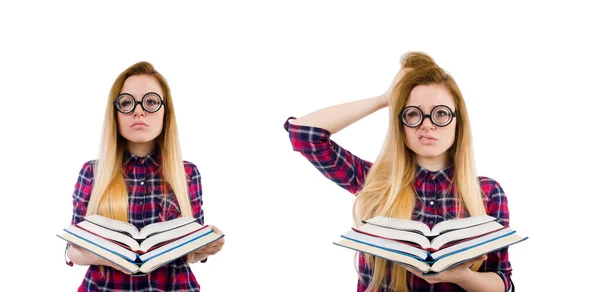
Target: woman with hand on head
[(139, 178), (425, 172)]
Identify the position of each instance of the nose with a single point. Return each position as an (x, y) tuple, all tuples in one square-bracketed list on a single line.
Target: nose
[(427, 124), (138, 110)]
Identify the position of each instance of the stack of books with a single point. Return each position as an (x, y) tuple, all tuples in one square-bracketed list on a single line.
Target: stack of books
[(139, 251), (430, 250)]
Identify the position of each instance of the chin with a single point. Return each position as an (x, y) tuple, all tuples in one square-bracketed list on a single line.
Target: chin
[(139, 138), (429, 153)]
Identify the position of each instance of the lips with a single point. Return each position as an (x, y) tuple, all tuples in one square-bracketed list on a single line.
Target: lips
[(139, 124), (427, 138)]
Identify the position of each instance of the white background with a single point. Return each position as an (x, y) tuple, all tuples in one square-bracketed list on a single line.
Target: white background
[(528, 72)]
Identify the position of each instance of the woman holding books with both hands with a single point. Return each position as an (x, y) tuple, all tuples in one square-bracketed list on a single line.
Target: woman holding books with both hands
[(139, 178), (425, 172)]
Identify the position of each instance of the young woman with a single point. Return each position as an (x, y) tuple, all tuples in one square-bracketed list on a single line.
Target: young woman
[(139, 178), (425, 171)]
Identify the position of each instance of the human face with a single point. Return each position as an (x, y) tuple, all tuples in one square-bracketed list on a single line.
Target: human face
[(139, 126), (429, 142)]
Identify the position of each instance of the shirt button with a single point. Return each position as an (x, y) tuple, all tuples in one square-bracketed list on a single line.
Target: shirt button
[(141, 202), (142, 183), (431, 203), (430, 222)]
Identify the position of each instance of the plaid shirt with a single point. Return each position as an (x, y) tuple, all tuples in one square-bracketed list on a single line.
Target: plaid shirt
[(150, 201), (435, 199)]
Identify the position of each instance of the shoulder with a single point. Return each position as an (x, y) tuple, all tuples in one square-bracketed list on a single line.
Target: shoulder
[(489, 185), (191, 170), (87, 170), (494, 199)]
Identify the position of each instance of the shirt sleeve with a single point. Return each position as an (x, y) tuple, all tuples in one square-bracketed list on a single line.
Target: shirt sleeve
[(195, 193), (497, 206), (334, 162), (82, 192), (81, 197)]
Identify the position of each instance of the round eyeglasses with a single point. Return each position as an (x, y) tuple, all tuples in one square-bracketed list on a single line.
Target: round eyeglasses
[(413, 116), (126, 103)]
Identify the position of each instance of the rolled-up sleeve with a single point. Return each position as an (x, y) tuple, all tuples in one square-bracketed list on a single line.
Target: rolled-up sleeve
[(334, 162)]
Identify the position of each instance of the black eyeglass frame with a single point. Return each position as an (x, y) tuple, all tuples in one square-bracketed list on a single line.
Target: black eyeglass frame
[(424, 116), (161, 102)]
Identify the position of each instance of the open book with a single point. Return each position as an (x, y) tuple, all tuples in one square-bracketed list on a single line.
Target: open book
[(139, 251), (457, 241)]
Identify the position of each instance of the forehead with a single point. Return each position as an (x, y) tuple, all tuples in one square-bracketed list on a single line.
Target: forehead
[(428, 96), (138, 85)]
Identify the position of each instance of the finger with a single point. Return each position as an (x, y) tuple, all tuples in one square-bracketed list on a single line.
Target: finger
[(413, 271), (217, 230)]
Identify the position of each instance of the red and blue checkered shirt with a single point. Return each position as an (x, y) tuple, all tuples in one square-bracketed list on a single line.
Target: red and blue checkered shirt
[(435, 202), (150, 201)]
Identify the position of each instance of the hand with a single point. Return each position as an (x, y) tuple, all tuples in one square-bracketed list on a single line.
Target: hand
[(452, 275), (81, 256), (209, 249), (387, 96), (108, 263)]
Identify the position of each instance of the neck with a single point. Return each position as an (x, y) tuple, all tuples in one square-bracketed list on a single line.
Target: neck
[(434, 163), (141, 149)]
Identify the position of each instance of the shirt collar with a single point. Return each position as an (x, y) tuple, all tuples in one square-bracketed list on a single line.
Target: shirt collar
[(151, 161), (444, 176)]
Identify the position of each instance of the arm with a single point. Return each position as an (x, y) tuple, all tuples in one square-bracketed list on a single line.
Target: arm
[(81, 197), (310, 135), (334, 162), (337, 117), (195, 193), (497, 206)]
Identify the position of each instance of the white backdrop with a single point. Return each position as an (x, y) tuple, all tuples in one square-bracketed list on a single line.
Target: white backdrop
[(237, 70)]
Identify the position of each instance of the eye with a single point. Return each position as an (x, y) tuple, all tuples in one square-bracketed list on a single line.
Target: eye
[(413, 114)]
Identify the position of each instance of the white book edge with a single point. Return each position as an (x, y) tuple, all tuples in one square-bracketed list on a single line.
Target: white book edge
[(121, 262), (387, 244), (165, 258), (101, 242), (396, 234), (470, 243), (115, 235), (175, 244)]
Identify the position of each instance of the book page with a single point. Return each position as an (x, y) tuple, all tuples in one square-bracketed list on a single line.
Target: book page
[(110, 234), (392, 256), (167, 257), (125, 264), (101, 242), (471, 243), (400, 224), (185, 230), (175, 244), (465, 233), (389, 233), (386, 243), (154, 228), (115, 225), (446, 262), (453, 224)]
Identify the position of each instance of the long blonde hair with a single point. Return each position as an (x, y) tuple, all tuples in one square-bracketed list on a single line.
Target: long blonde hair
[(109, 196), (388, 189)]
